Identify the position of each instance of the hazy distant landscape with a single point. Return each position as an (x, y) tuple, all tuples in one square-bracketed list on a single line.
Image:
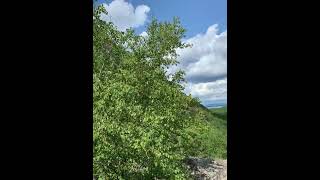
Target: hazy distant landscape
[(210, 106)]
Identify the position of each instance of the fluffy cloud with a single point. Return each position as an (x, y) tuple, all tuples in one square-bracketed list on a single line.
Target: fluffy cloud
[(207, 60), (209, 91), (124, 15), (205, 65)]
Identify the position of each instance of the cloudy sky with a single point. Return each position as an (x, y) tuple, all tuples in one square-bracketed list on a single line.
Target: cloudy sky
[(205, 63)]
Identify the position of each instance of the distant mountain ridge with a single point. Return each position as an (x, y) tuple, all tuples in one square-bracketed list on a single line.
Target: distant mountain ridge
[(215, 105)]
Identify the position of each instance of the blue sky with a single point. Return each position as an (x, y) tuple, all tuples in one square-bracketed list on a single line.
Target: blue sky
[(205, 63), (195, 15)]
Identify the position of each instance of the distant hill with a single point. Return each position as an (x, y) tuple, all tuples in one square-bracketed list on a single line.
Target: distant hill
[(215, 105)]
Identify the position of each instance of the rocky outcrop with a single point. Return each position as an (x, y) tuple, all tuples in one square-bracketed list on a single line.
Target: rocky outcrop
[(207, 169)]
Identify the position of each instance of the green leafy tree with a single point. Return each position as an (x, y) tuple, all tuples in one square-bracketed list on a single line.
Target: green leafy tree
[(140, 113)]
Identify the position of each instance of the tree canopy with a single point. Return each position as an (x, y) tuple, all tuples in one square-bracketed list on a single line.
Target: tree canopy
[(139, 110)]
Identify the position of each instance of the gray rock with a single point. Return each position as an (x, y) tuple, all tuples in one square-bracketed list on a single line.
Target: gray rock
[(207, 169)]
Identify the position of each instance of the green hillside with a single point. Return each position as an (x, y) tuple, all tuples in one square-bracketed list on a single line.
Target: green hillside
[(210, 134)]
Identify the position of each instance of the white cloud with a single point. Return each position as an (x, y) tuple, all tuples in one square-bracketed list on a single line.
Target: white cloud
[(124, 15), (205, 65), (209, 91), (207, 59)]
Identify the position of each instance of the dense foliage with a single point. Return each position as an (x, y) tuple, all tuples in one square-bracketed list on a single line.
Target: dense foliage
[(144, 126), (139, 115)]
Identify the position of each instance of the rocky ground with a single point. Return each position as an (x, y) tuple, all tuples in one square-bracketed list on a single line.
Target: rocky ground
[(207, 169)]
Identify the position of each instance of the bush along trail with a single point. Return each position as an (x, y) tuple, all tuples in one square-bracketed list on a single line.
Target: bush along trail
[(144, 126)]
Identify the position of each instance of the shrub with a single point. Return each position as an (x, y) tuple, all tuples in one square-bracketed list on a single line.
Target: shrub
[(139, 115)]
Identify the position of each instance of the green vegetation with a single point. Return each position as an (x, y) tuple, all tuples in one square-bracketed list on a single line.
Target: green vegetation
[(209, 136), (220, 112), (143, 125)]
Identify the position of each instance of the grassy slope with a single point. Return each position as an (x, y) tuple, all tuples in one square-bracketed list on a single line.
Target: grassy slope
[(220, 113), (214, 137)]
